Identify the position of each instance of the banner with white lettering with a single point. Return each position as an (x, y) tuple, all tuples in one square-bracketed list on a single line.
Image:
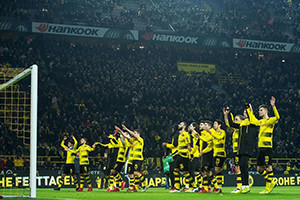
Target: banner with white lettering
[(50, 179), (199, 40), (196, 67), (84, 31), (263, 45)]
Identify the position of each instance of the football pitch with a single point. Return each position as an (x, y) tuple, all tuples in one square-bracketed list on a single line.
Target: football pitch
[(279, 193)]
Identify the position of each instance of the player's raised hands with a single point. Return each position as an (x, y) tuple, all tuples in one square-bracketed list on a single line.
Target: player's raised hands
[(65, 138), (118, 129), (226, 110), (272, 101), (124, 127), (251, 107)]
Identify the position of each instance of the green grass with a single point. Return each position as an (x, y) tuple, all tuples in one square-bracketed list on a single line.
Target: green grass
[(279, 193)]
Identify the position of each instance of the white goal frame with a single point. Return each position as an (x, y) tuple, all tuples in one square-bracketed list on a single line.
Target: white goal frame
[(33, 70)]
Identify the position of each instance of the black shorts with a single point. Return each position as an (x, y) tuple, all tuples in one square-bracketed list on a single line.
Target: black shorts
[(111, 163), (175, 158), (219, 161), (69, 169), (136, 166), (195, 165), (264, 157), (207, 161), (84, 169), (182, 163), (236, 159), (118, 166)]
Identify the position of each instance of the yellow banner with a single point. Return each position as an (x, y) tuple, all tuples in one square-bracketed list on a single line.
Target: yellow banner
[(196, 67)]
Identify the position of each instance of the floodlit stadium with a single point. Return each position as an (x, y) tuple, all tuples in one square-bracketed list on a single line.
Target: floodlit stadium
[(118, 99)]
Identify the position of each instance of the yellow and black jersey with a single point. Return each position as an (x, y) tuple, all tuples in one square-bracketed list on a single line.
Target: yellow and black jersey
[(136, 149), (247, 135), (219, 138), (83, 154), (173, 148), (235, 140), (70, 156), (235, 135), (122, 151), (207, 141), (196, 145), (116, 143), (183, 140), (266, 128)]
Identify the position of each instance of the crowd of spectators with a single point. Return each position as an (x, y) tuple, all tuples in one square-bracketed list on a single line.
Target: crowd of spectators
[(276, 20), (269, 20), (87, 88), (103, 13)]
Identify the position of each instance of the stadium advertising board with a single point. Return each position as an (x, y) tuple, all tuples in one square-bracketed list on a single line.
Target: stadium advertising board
[(13, 25), (196, 67), (84, 31), (199, 40), (264, 45), (50, 179)]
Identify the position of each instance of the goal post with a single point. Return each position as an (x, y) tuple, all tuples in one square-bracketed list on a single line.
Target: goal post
[(33, 71), (33, 130)]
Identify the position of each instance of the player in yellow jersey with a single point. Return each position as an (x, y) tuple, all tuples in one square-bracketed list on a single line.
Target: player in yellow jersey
[(206, 154), (265, 143), (117, 160), (235, 140), (195, 157), (183, 143), (69, 168), (219, 137), (136, 158), (83, 153)]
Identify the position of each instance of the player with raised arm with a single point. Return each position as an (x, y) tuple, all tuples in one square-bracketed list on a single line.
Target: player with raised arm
[(246, 145), (136, 158), (69, 168), (265, 142), (117, 153), (235, 140), (83, 153)]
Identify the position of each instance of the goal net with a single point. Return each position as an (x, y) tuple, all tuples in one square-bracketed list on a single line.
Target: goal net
[(18, 127)]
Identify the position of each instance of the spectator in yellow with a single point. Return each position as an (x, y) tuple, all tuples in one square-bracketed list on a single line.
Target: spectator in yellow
[(19, 162)]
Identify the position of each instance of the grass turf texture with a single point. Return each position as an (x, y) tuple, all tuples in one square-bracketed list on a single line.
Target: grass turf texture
[(279, 193)]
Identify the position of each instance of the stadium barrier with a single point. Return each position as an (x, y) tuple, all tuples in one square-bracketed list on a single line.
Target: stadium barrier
[(50, 179)]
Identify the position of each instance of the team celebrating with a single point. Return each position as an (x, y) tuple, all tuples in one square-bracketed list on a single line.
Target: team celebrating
[(198, 152)]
